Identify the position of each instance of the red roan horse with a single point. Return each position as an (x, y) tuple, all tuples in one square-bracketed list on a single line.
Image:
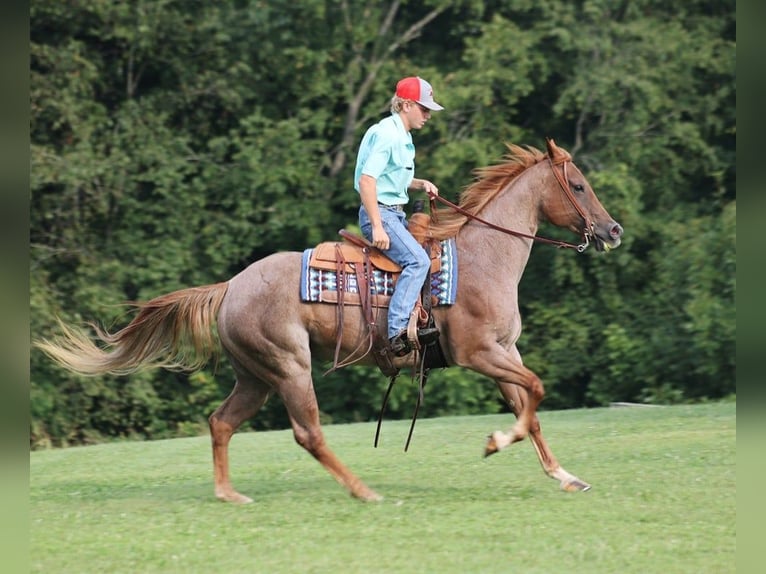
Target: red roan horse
[(270, 335)]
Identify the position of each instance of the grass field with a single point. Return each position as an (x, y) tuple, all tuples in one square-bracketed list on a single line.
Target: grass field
[(663, 500)]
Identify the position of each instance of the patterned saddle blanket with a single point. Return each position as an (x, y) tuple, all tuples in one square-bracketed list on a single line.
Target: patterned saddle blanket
[(319, 275)]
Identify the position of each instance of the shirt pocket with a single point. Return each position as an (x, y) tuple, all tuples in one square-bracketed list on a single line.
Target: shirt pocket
[(403, 157)]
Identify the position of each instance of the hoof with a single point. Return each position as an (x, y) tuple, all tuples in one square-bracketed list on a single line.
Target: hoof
[(491, 446), (575, 486), (370, 496), (234, 497)]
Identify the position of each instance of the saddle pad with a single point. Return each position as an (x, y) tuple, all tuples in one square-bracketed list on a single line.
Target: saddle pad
[(321, 285)]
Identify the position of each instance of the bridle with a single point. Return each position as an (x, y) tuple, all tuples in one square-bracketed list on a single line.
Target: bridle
[(589, 229), (563, 180)]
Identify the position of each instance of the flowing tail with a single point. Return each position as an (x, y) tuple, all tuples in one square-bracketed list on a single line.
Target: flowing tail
[(173, 331)]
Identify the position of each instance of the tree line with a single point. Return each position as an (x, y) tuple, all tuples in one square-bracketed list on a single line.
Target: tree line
[(175, 142)]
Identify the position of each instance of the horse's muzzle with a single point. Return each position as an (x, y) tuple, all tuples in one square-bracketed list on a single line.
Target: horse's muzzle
[(609, 240)]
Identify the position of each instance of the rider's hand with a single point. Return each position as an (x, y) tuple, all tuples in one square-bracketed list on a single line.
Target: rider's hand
[(380, 238), (430, 189)]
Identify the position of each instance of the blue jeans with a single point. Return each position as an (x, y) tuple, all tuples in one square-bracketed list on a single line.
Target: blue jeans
[(408, 253)]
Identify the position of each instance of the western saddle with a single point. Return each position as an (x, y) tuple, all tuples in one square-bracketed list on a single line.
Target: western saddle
[(357, 256)]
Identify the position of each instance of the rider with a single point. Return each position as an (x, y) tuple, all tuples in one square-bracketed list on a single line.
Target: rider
[(385, 170)]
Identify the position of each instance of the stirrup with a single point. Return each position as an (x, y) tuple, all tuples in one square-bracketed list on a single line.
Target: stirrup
[(400, 345)]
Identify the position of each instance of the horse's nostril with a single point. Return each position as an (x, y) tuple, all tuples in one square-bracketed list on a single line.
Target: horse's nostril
[(616, 230)]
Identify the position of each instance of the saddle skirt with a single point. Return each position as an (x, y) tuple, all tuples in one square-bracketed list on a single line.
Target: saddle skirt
[(321, 264)]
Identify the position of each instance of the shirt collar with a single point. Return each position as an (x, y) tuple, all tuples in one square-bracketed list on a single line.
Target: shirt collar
[(400, 124)]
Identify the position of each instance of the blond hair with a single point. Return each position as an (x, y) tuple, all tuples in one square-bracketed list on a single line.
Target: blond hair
[(396, 104)]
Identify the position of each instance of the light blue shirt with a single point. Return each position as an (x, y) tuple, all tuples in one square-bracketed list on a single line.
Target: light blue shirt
[(387, 154)]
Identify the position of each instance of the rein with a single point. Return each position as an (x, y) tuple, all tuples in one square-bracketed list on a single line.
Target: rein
[(564, 183)]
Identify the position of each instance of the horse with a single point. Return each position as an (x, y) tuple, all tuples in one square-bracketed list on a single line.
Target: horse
[(270, 336)]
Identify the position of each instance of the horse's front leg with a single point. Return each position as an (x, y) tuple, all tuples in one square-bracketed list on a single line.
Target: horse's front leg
[(506, 368), (514, 396)]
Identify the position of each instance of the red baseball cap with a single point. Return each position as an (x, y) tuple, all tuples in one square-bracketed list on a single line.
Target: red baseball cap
[(417, 90)]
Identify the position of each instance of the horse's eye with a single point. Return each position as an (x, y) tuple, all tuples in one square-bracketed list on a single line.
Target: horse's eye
[(578, 187)]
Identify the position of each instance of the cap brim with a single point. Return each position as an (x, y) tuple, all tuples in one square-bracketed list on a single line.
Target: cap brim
[(433, 106)]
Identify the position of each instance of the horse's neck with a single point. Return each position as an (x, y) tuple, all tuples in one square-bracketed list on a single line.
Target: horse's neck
[(503, 256)]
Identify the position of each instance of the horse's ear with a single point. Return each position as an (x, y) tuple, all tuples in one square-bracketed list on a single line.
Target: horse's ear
[(556, 154)]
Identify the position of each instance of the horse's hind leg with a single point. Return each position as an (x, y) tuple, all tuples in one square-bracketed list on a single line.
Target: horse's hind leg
[(243, 403), (300, 401), (515, 396)]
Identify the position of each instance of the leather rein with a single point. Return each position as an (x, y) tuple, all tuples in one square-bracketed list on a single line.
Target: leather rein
[(563, 180)]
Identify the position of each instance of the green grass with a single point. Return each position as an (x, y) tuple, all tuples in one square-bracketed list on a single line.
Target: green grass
[(663, 500)]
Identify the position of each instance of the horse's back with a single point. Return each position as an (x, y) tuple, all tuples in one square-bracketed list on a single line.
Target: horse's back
[(263, 307), (265, 279)]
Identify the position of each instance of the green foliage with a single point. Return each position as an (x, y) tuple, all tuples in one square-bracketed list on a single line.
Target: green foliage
[(172, 144)]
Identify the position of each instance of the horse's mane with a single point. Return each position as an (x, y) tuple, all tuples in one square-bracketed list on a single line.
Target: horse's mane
[(488, 182)]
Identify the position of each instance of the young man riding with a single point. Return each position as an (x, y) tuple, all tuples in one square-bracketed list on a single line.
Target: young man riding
[(385, 173)]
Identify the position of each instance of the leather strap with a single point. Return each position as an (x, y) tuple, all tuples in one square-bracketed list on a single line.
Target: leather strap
[(366, 288), (563, 182), (340, 278)]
